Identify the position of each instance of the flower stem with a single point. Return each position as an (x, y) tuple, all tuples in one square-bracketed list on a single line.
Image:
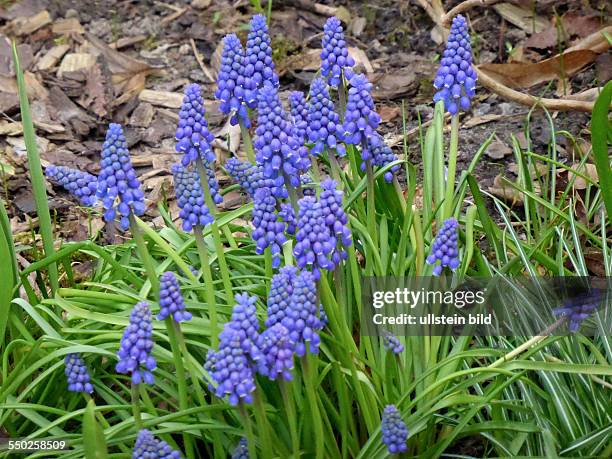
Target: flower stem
[(248, 144), (452, 165), (144, 254), (290, 411), (263, 427), (342, 98), (310, 377), (292, 194), (249, 428), (136, 406), (208, 283), (371, 204), (335, 168)]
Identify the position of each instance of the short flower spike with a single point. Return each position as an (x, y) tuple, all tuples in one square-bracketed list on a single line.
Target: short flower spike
[(276, 350), (259, 66), (192, 134), (335, 218), (251, 177), (392, 343), (190, 198), (455, 81), (77, 374), (81, 185), (383, 155), (118, 186), (170, 299), (299, 115), (334, 55), (394, 430), (445, 248), (136, 345), (269, 231), (579, 308), (241, 451), (324, 128), (279, 298), (149, 447)]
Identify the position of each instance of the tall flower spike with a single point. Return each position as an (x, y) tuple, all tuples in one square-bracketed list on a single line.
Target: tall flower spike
[(192, 134), (234, 91), (361, 119), (392, 343), (383, 155), (279, 298), (445, 247), (170, 299), (276, 353), (250, 177), (335, 218), (269, 231), (190, 198), (149, 447), (394, 430), (136, 345), (315, 243), (81, 185), (301, 317), (276, 148), (455, 81), (229, 368), (77, 374), (334, 55), (259, 66), (118, 187), (324, 128), (244, 322), (241, 451), (579, 307), (299, 115)]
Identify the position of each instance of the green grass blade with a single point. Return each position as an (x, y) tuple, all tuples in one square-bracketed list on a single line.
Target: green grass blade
[(600, 135), (93, 437), (8, 271)]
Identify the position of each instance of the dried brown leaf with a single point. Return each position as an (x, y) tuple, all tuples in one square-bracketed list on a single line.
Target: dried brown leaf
[(498, 150), (522, 17), (52, 57)]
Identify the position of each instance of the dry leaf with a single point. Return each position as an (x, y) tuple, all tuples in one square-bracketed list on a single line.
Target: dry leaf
[(10, 127), (162, 98), (360, 57), (26, 26), (74, 62), (498, 149), (521, 17), (307, 60), (52, 57), (502, 189), (66, 26), (396, 84), (388, 113), (98, 95), (586, 169)]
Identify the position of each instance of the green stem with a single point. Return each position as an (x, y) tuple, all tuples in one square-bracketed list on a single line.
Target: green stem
[(452, 165), (263, 427), (371, 204), (342, 98), (208, 284), (290, 411), (136, 407), (335, 168), (104, 422), (316, 174), (292, 194), (400, 193), (417, 231), (310, 376), (144, 254), (248, 144), (249, 428)]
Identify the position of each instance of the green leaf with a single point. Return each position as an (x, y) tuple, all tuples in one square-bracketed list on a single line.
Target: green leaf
[(600, 132), (8, 270), (93, 437)]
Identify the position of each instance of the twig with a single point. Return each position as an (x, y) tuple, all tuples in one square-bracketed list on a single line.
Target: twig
[(464, 6), (529, 100), (200, 61)]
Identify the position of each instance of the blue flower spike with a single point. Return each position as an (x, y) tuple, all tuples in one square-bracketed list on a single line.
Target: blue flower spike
[(455, 81), (445, 248), (192, 135), (149, 447), (276, 350), (269, 230), (190, 198), (334, 55), (118, 186), (77, 374), (81, 185), (579, 308), (250, 177), (279, 297), (335, 219), (244, 321), (324, 127), (136, 345), (299, 115), (392, 343), (170, 299), (259, 66), (394, 430), (383, 155), (241, 451)]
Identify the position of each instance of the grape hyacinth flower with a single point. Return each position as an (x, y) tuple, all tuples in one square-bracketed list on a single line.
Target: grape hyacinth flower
[(383, 155), (361, 118), (392, 343), (77, 374), (269, 231), (578, 308), (307, 185), (394, 430), (244, 322), (118, 187), (299, 115), (455, 81), (81, 185), (324, 127), (276, 353), (445, 247), (315, 242), (190, 198), (276, 148), (334, 55), (192, 134), (241, 451), (335, 218), (258, 66), (136, 346), (301, 317), (287, 215), (234, 91), (149, 447), (279, 298), (170, 299), (250, 177), (229, 368)]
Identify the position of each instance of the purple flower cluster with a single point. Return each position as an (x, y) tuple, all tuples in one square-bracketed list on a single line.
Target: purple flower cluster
[(579, 307), (315, 242), (259, 66), (136, 346), (392, 343), (276, 148), (287, 215), (170, 299), (118, 187), (361, 118), (81, 185), (190, 198), (383, 155), (192, 134), (335, 218), (334, 55), (77, 374), (445, 247), (250, 177), (269, 231), (244, 322), (299, 115), (394, 430), (276, 350), (455, 81), (234, 91), (241, 451), (279, 297), (149, 447), (324, 128)]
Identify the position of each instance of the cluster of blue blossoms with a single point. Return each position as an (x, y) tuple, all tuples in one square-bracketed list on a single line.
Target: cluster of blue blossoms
[(445, 247), (241, 451), (190, 198), (77, 374), (149, 447), (268, 230), (334, 56), (171, 301), (580, 307), (81, 185), (394, 430), (136, 345), (392, 343), (324, 128), (299, 115)]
